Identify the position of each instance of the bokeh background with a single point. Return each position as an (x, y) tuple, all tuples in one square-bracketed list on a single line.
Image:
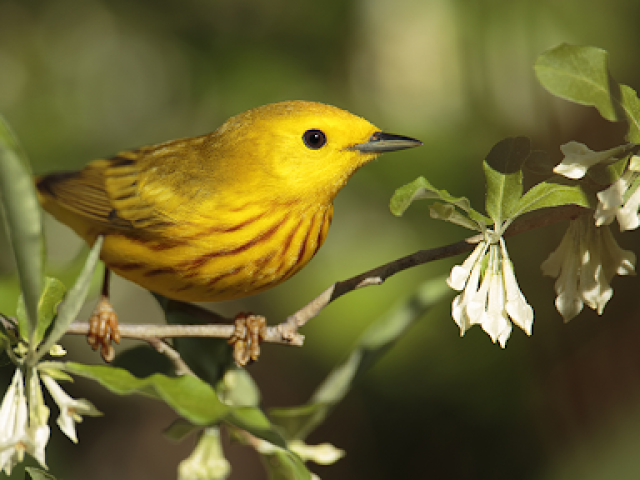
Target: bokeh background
[(83, 79)]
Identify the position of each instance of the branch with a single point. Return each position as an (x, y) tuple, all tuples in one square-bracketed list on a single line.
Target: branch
[(287, 331)]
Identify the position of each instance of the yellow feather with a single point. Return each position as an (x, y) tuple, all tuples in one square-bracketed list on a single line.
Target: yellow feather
[(226, 214)]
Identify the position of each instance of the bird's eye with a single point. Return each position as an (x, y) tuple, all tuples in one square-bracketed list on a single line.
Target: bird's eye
[(314, 139)]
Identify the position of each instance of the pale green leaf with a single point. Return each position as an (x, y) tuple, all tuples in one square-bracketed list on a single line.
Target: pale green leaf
[(23, 220), (180, 429), (421, 188), (580, 74), (503, 175), (285, 465), (54, 370), (22, 319), (52, 294), (298, 421), (189, 396), (448, 213), (631, 106), (606, 174), (551, 194), (37, 474), (73, 302), (254, 421)]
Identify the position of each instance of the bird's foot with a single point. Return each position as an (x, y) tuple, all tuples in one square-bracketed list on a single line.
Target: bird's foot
[(104, 329), (249, 331)]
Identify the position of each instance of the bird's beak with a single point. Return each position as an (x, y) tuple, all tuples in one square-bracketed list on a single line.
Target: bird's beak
[(385, 142)]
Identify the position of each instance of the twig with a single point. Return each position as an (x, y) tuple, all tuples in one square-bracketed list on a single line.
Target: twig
[(148, 332), (287, 332), (179, 365)]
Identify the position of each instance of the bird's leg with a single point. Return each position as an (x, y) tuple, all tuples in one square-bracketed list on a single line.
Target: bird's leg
[(249, 331), (103, 324)]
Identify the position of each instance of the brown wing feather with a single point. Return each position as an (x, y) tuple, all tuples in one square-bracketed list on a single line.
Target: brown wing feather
[(105, 192)]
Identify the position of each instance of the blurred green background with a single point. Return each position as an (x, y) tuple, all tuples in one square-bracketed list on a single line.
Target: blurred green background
[(83, 79)]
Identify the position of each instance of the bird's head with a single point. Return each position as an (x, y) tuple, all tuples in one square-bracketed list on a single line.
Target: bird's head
[(304, 149)]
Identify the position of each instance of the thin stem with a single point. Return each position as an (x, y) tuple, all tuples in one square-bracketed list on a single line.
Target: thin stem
[(179, 365)]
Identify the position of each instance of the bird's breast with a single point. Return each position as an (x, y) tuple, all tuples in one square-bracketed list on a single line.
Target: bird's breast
[(221, 255)]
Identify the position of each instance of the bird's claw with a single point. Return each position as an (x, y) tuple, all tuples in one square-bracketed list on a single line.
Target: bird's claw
[(104, 329), (249, 331)]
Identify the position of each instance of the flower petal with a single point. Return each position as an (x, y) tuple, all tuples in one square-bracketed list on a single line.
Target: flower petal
[(578, 158), (70, 408), (517, 307), (460, 273)]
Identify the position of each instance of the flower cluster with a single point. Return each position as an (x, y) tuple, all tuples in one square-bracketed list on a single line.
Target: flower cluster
[(584, 264), (490, 294), (621, 200), (23, 419), (21, 429)]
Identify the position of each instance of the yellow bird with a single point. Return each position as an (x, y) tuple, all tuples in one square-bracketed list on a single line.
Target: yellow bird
[(222, 215)]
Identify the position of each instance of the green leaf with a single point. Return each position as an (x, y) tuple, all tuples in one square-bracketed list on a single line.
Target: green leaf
[(254, 421), (448, 213), (180, 429), (37, 474), (22, 215), (552, 194), (52, 295), (285, 465), (421, 188), (631, 107), (73, 302), (300, 421), (503, 175), (54, 370), (189, 396), (580, 74), (22, 319), (606, 174)]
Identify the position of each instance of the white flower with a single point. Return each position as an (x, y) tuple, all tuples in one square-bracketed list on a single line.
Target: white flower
[(578, 158), (584, 263), (16, 435), (612, 203), (322, 454), (70, 409), (207, 461), (460, 273), (517, 307), (466, 276), (491, 296)]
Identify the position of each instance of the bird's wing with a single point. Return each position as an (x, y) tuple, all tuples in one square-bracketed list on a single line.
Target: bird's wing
[(105, 192)]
